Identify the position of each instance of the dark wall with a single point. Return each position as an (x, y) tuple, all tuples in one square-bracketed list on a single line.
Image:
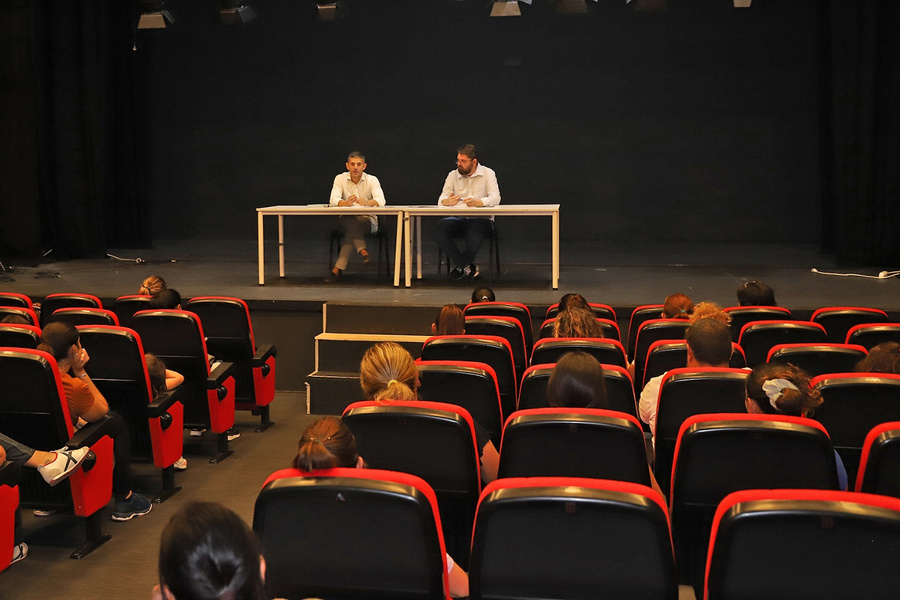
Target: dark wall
[(699, 123)]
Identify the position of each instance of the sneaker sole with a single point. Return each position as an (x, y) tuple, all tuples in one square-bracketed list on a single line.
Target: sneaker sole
[(63, 476), (131, 515)]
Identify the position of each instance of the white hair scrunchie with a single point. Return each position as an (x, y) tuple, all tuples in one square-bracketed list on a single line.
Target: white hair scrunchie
[(774, 388)]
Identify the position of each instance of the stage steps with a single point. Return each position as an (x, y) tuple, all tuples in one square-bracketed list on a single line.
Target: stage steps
[(348, 331)]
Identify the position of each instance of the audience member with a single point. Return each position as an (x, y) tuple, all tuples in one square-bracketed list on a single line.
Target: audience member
[(450, 321), (207, 552), (883, 358), (755, 293), (576, 322), (710, 310), (87, 405), (388, 372), (166, 299), (15, 320), (577, 381), (783, 389), (708, 345), (329, 443), (54, 466), (567, 301), (163, 380), (482, 294), (677, 306), (152, 286)]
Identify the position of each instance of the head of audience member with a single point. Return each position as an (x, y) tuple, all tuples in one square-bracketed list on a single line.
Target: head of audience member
[(388, 372), (755, 293), (156, 369), (326, 444), (708, 343), (883, 358), (576, 322), (577, 381), (710, 310), (677, 306), (62, 341), (466, 159), (568, 301), (166, 299), (482, 294), (152, 286), (208, 552), (450, 321), (783, 389), (15, 320)]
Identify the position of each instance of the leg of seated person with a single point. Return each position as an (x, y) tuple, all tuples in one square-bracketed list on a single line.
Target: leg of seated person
[(477, 230), (444, 233)]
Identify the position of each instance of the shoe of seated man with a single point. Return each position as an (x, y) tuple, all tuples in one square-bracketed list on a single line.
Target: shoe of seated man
[(20, 551), (63, 465), (470, 271), (136, 506), (180, 464), (457, 273)]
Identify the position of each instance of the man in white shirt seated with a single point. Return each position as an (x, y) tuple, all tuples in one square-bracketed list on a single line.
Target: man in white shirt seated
[(354, 188), (471, 184)]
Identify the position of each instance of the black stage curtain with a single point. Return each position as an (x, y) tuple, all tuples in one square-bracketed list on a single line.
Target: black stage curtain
[(861, 131), (88, 137)]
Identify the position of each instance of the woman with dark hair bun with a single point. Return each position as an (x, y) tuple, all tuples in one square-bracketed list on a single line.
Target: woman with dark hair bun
[(577, 381), (783, 389), (207, 552)]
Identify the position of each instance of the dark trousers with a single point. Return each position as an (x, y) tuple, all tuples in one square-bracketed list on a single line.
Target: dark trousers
[(473, 231), (121, 482)]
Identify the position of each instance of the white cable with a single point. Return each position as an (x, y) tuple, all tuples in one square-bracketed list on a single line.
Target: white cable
[(881, 275), (134, 260)]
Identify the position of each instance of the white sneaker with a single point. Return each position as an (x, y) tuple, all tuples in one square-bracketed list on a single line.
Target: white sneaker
[(233, 434), (63, 465), (44, 513), (180, 464), (197, 432)]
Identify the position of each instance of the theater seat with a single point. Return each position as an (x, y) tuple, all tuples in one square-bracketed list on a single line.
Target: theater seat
[(879, 467), (9, 504), (19, 336), (53, 302)]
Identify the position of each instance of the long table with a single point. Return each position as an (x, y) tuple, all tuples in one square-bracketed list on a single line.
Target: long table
[(408, 227), (282, 211), (413, 228)]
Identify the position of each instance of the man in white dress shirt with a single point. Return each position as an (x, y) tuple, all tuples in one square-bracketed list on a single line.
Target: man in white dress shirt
[(354, 188), (471, 184)]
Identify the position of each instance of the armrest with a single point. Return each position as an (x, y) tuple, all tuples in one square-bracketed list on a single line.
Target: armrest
[(163, 402), (90, 434), (222, 372), (263, 353)]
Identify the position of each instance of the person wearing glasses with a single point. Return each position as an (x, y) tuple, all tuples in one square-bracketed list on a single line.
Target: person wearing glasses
[(471, 184)]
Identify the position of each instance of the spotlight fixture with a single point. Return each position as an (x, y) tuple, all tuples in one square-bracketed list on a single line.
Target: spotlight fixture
[(506, 8), (235, 12), (154, 15), (329, 11)]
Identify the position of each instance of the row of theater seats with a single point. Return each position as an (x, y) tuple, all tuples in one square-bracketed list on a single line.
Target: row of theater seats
[(571, 515), (33, 408)]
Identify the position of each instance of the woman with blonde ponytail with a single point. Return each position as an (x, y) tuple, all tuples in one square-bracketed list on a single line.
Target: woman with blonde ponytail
[(388, 372), (783, 389)]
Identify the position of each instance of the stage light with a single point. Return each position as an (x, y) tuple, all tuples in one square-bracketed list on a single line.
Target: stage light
[(506, 8), (235, 12), (154, 15), (329, 11)]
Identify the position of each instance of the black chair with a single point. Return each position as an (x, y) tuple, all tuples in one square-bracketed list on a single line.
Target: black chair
[(666, 355), (741, 315), (33, 411), (19, 336), (53, 302), (229, 337), (493, 240), (176, 337), (606, 351), (651, 331), (508, 328), (819, 359), (879, 467), (26, 313), (758, 337), (491, 350), (126, 306), (434, 441), (9, 507), (515, 310), (369, 534), (687, 392), (838, 320), (574, 442), (155, 425), (84, 316), (639, 316), (846, 544), (383, 235), (16, 300), (723, 453), (566, 537), (869, 336), (619, 388), (852, 405), (468, 384)]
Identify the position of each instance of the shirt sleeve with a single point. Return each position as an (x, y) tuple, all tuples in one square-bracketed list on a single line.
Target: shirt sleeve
[(376, 191), (78, 396), (491, 189), (449, 187), (337, 193), (648, 403)]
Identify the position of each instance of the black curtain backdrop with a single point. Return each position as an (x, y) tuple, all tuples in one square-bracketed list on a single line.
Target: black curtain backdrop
[(861, 130)]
